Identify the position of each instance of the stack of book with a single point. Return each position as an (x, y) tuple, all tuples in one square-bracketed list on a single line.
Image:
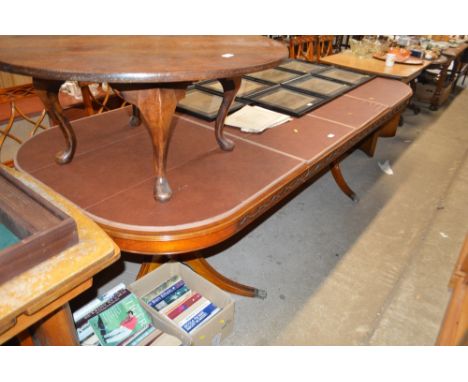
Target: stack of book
[(187, 308), (118, 319)]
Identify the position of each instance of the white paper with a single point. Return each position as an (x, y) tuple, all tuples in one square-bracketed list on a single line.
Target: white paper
[(255, 119), (385, 167)]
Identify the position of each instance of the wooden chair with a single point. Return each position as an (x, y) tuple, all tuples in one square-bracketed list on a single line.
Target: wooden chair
[(439, 79), (311, 48), (18, 103), (22, 114), (303, 47), (463, 67), (325, 46)]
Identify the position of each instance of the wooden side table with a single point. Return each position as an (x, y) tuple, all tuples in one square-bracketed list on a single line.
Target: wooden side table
[(150, 72), (401, 72), (36, 301)]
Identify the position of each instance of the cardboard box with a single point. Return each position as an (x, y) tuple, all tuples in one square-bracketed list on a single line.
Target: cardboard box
[(211, 332), (425, 92)]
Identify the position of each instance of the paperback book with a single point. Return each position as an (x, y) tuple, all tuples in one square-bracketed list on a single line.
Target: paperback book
[(117, 322), (188, 309)]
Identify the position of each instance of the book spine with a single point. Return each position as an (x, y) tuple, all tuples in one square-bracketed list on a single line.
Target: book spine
[(150, 338), (140, 337), (191, 324), (160, 288), (92, 305), (132, 336), (192, 311), (184, 306), (171, 298), (166, 293), (101, 308)]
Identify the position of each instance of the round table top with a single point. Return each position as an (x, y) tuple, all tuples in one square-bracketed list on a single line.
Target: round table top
[(127, 59)]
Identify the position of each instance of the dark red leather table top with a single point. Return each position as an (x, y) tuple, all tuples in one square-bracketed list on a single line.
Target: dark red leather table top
[(111, 176)]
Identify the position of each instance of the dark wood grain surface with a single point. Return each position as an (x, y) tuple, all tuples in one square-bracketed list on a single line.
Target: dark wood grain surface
[(130, 59)]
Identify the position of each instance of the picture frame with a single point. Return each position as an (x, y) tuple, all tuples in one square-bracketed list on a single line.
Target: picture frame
[(302, 66), (287, 101), (273, 76), (204, 104), (248, 86), (319, 86), (345, 75)]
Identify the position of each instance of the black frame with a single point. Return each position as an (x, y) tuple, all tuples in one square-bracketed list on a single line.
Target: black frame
[(241, 98), (330, 96), (252, 97), (250, 76), (295, 113), (321, 67), (236, 105), (365, 77)]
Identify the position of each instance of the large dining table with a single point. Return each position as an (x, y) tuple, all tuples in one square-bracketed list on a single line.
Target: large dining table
[(216, 194), (217, 190)]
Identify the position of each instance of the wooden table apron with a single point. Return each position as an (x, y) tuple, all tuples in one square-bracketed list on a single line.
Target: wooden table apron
[(150, 72)]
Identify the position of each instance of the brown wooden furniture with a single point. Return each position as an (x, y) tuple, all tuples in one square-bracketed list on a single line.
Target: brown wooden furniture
[(310, 48), (150, 72), (216, 194), (39, 228), (21, 107), (325, 46), (401, 72), (303, 47), (454, 329), (434, 85), (36, 301), (438, 81)]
